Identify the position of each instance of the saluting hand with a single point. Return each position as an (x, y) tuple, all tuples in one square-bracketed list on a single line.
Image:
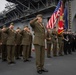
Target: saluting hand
[(0, 43)]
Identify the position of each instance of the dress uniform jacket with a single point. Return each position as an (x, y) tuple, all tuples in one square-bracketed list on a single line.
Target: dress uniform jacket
[(25, 38), (30, 38), (54, 36), (4, 46), (11, 36), (18, 38), (39, 31), (4, 38), (48, 35), (60, 38)]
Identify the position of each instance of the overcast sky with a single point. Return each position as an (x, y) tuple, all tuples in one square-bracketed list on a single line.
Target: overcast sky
[(2, 5)]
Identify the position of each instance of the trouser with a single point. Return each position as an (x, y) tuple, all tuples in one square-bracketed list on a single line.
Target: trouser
[(17, 51), (25, 52), (73, 46), (54, 48), (40, 55), (4, 52), (69, 48), (21, 50), (48, 49), (61, 46), (30, 46), (0, 49), (65, 47), (10, 53)]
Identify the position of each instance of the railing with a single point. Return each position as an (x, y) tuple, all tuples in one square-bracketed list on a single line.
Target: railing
[(49, 3)]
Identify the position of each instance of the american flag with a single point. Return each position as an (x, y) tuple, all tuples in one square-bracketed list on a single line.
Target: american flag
[(52, 21)]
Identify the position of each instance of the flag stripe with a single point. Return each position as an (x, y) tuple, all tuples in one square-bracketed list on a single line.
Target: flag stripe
[(52, 21)]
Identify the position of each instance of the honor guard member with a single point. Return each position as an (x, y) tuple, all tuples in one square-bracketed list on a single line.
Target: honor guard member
[(0, 43), (54, 41), (4, 46), (61, 43), (11, 44), (21, 50), (70, 41), (66, 39), (18, 43), (73, 41), (39, 42), (30, 47), (49, 42), (0, 50), (25, 43), (67, 44)]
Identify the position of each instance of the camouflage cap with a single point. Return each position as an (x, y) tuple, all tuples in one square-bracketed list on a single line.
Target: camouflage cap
[(12, 23), (18, 27), (25, 26), (4, 26), (40, 15)]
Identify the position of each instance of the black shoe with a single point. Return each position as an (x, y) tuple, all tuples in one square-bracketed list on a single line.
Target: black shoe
[(18, 58), (73, 51), (39, 71), (30, 57), (28, 60), (21, 55), (49, 57), (13, 62), (54, 55), (65, 53), (9, 63), (44, 70), (25, 61), (70, 53), (3, 60), (61, 55)]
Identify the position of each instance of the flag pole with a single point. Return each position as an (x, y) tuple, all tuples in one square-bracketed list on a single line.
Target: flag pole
[(70, 23)]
